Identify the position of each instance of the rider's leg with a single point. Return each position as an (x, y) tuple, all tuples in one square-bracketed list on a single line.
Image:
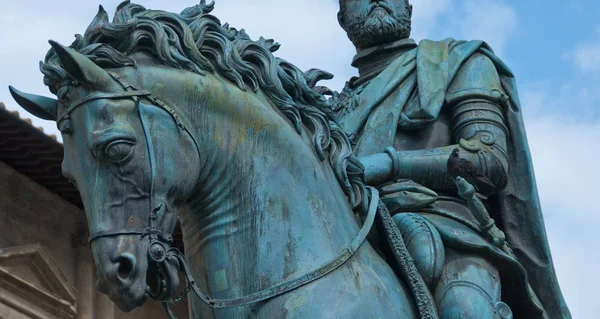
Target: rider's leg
[(424, 244), (469, 288)]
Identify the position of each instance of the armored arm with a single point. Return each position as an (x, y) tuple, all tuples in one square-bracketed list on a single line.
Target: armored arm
[(478, 129)]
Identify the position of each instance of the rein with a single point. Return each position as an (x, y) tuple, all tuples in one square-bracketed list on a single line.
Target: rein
[(160, 249)]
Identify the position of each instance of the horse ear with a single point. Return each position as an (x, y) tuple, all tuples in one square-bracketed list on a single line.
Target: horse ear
[(80, 67), (40, 106)]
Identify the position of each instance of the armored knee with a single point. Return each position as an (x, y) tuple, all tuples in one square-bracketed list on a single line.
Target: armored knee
[(470, 287), (466, 300), (424, 244)]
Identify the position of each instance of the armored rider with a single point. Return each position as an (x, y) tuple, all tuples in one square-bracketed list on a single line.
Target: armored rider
[(425, 100)]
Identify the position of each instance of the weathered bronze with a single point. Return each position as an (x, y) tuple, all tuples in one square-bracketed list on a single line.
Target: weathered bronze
[(424, 101), (167, 116), (173, 114)]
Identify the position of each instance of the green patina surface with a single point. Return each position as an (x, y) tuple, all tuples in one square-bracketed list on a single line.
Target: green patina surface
[(168, 116)]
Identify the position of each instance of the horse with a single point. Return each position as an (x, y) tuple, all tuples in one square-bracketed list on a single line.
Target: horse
[(166, 116)]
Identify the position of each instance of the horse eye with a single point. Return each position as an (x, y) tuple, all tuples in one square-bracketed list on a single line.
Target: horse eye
[(118, 151)]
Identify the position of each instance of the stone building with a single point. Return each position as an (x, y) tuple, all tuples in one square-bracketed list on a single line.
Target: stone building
[(46, 267)]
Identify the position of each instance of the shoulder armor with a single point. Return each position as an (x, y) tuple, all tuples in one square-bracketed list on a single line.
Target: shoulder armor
[(479, 79)]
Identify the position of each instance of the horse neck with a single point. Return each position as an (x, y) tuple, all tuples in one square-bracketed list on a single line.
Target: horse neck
[(266, 209)]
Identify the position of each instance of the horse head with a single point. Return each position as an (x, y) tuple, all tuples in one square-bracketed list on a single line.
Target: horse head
[(113, 135)]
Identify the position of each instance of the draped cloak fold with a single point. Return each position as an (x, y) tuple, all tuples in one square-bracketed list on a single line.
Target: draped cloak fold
[(430, 68)]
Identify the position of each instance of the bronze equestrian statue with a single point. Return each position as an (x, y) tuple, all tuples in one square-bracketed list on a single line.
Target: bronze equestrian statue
[(169, 115), (166, 116), (425, 100)]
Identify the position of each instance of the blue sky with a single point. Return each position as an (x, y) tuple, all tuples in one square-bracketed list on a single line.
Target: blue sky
[(552, 46)]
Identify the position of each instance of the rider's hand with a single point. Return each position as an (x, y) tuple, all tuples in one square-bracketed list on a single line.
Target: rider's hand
[(406, 196)]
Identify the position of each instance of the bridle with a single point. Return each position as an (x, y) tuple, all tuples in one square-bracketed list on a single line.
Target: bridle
[(160, 249)]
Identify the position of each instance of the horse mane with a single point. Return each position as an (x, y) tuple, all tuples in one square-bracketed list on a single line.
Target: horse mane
[(196, 41)]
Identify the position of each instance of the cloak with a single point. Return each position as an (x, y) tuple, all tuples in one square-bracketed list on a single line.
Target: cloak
[(430, 68)]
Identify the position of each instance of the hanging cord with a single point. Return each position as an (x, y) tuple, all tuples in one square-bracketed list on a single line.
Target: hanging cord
[(408, 270)]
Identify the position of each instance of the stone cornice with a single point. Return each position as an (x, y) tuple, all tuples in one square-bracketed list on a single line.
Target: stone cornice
[(56, 297)]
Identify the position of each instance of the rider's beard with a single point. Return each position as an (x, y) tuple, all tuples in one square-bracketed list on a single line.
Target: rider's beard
[(375, 27)]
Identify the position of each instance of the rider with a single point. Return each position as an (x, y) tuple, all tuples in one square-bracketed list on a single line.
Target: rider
[(425, 100)]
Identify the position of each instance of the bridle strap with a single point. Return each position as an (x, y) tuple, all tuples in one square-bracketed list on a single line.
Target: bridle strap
[(106, 233), (148, 231), (134, 93), (288, 285), (99, 96)]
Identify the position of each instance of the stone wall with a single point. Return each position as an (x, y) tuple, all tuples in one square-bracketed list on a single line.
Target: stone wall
[(46, 268), (31, 214)]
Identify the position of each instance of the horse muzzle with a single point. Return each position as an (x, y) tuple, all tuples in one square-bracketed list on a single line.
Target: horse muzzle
[(122, 271)]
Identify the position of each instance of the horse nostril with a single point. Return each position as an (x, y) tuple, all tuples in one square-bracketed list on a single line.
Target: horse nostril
[(125, 268)]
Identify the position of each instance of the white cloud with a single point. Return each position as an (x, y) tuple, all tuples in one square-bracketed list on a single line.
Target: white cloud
[(563, 130), (565, 153), (426, 13), (576, 5), (491, 20), (586, 55)]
